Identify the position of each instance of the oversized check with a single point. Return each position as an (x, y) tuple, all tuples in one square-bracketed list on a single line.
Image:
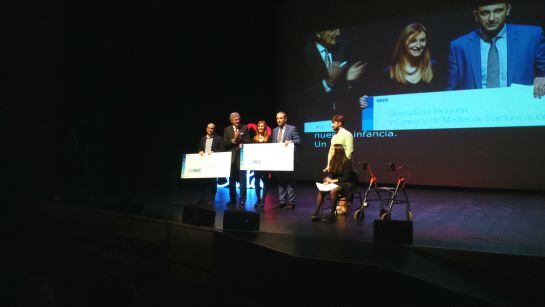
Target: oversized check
[(214, 165), (513, 106), (267, 157)]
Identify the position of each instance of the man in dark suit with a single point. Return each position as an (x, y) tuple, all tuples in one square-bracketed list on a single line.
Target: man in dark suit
[(210, 143), (497, 54), (330, 75), (286, 134), (234, 136)]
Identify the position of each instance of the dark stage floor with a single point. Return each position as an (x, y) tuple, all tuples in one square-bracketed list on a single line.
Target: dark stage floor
[(503, 222), (483, 244)]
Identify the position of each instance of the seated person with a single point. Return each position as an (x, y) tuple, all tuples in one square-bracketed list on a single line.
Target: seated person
[(340, 173)]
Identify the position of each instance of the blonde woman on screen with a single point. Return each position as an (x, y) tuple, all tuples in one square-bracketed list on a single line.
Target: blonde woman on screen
[(412, 69)]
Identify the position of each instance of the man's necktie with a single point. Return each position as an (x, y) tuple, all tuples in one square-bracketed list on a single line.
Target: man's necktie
[(493, 66), (280, 135)]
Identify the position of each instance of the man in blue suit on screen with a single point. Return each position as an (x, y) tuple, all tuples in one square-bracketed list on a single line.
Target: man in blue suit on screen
[(497, 54)]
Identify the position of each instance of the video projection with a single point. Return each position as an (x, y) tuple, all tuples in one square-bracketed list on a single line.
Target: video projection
[(453, 96)]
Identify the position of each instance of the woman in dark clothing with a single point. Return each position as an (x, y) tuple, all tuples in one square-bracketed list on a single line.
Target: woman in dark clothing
[(340, 173), (261, 136), (412, 69), (392, 87)]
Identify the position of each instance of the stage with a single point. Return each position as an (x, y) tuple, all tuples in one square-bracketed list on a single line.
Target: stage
[(490, 221), (470, 247), (487, 245)]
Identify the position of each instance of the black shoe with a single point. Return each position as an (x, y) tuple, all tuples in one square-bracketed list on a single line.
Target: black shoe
[(290, 206), (280, 206), (315, 218), (262, 204), (257, 204)]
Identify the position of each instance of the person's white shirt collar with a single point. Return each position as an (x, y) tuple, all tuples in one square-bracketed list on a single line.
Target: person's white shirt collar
[(501, 33), (322, 50), (321, 47)]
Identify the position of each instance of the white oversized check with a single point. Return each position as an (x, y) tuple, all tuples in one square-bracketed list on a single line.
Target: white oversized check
[(214, 165), (513, 106), (267, 157)]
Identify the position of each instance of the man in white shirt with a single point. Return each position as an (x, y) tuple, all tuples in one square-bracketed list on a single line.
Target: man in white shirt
[(210, 143)]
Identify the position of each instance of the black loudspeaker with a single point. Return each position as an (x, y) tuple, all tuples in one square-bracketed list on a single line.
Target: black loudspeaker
[(393, 231), (198, 216), (241, 220)]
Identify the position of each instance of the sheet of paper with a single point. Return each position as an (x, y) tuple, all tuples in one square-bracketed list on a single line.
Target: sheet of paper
[(325, 187)]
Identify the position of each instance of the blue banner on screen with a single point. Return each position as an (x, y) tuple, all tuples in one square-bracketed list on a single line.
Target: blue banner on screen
[(321, 126), (513, 106)]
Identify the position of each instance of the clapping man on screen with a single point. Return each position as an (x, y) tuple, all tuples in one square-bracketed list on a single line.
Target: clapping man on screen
[(330, 73)]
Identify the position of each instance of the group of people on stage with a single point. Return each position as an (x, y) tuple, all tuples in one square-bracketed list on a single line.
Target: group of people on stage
[(496, 54), (338, 169), (234, 136)]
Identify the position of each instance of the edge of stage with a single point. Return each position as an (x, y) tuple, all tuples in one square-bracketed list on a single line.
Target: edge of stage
[(472, 246)]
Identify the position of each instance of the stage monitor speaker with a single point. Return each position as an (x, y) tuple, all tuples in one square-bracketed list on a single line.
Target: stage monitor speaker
[(198, 216), (241, 220), (393, 231)]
